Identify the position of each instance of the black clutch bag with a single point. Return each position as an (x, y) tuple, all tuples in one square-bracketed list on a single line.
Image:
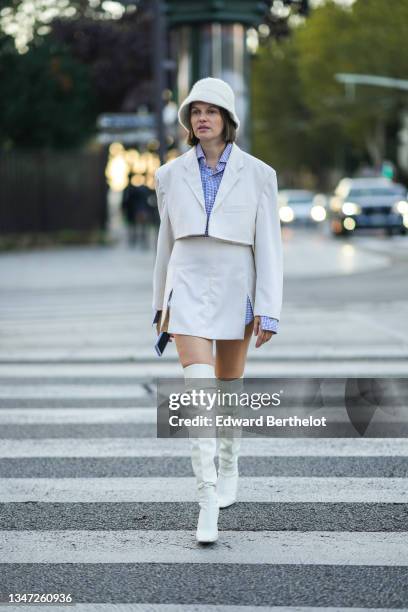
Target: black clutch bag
[(161, 343)]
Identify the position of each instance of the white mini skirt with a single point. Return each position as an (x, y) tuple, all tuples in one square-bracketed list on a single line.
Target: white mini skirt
[(208, 284)]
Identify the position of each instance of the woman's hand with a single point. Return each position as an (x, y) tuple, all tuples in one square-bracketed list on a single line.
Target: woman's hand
[(263, 336)]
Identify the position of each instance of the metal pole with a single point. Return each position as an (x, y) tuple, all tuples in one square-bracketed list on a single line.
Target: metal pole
[(159, 85)]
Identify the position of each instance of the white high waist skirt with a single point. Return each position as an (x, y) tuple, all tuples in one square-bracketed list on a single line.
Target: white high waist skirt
[(208, 284)]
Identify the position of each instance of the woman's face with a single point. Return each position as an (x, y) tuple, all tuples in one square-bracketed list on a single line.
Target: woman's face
[(206, 121)]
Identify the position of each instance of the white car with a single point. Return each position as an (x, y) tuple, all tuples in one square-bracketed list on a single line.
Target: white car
[(301, 206)]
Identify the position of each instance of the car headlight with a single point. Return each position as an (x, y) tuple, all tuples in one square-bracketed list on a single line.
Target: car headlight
[(400, 207), (318, 213), (349, 208), (349, 224), (335, 204), (286, 214)]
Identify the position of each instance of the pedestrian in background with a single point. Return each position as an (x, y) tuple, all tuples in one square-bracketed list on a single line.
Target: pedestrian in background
[(137, 212), (218, 270)]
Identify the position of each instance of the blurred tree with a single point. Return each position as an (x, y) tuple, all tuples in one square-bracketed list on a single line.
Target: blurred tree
[(28, 19), (285, 133), (282, 13), (113, 40), (118, 54), (62, 71), (369, 39), (311, 120), (47, 97)]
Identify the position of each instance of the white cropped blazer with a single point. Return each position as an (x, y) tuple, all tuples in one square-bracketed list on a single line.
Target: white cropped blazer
[(245, 211)]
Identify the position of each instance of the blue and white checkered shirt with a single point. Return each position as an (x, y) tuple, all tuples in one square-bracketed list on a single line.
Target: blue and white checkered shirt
[(211, 180)]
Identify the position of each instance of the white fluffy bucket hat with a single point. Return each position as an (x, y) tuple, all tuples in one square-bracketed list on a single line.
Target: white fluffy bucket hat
[(212, 91)]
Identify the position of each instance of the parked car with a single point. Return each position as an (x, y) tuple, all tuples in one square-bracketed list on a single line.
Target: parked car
[(301, 206), (361, 203)]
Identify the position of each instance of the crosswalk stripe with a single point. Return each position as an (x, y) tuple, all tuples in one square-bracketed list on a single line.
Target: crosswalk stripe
[(27, 416), (57, 315), (267, 547), (164, 447), (146, 364), (56, 308), (77, 391), (30, 341), (122, 368), (171, 489)]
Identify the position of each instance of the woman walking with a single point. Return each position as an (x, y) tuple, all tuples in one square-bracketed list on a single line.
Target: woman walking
[(218, 270)]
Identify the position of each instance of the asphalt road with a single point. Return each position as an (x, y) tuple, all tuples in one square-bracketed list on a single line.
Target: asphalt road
[(94, 504)]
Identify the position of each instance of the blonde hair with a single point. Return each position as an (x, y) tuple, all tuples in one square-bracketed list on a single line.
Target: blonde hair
[(229, 132)]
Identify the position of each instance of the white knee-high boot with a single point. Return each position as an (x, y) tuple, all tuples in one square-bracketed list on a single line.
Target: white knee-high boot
[(203, 452), (229, 445)]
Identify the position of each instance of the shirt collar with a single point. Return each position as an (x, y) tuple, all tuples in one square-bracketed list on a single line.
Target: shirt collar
[(224, 156)]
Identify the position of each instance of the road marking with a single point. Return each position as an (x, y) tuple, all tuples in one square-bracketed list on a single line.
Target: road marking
[(266, 547), (77, 391), (148, 365), (274, 489), (164, 447), (37, 416)]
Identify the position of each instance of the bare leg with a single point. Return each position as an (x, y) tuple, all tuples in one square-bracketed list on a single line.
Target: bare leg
[(192, 349), (231, 355)]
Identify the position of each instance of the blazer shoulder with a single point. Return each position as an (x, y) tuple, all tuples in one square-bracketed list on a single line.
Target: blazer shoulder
[(173, 164), (263, 170), (162, 170)]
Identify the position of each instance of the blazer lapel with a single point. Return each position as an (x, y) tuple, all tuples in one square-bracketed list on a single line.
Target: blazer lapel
[(192, 175), (231, 174)]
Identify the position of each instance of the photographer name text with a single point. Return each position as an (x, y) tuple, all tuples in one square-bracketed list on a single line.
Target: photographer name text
[(259, 421)]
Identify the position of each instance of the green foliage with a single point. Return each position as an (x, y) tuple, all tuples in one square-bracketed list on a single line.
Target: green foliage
[(47, 98), (302, 114), (284, 126)]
